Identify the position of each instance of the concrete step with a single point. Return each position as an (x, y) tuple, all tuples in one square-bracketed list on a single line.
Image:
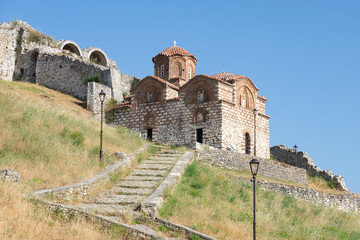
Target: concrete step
[(157, 173), (157, 162), (137, 184), (119, 199), (143, 178), (106, 210), (131, 191), (154, 166)]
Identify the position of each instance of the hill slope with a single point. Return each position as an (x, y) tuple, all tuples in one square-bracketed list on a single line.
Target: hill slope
[(50, 139), (218, 202)]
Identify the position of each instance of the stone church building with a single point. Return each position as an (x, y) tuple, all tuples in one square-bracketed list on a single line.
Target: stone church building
[(178, 107)]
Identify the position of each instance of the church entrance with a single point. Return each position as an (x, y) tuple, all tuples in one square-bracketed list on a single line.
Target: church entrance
[(199, 135), (149, 134), (247, 143)]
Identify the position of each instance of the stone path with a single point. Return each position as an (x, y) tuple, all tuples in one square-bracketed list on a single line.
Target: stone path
[(126, 195)]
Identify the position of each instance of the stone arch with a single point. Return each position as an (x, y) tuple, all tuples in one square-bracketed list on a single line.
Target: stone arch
[(70, 46), (32, 62), (200, 116), (199, 92), (245, 98), (149, 120), (247, 143), (96, 55)]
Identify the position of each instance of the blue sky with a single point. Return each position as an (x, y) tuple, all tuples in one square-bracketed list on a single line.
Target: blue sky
[(302, 55)]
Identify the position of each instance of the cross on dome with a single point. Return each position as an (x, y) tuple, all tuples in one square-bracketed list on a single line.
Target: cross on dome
[(174, 43)]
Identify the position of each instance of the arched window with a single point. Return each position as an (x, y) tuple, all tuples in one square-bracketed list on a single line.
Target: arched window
[(179, 68), (247, 143), (189, 72), (162, 71), (150, 97), (200, 96)]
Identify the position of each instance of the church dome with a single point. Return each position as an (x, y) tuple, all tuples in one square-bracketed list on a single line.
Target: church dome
[(174, 50)]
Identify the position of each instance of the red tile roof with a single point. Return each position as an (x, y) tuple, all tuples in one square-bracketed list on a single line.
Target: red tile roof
[(226, 76), (175, 50), (122, 105)]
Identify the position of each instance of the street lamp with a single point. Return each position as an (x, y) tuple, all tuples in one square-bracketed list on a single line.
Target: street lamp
[(296, 147), (255, 112), (254, 166), (102, 98)]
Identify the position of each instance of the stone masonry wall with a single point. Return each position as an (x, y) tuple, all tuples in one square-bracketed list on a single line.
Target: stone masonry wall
[(93, 100), (302, 160), (346, 202), (64, 74), (267, 168), (7, 51)]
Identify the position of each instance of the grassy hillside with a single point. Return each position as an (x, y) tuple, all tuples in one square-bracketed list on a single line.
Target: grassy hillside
[(51, 140), (217, 202)]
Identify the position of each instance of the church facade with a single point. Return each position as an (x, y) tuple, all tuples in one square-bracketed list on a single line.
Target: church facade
[(178, 107)]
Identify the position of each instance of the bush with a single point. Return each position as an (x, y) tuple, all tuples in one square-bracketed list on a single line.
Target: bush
[(35, 37), (134, 82), (75, 137), (95, 78)]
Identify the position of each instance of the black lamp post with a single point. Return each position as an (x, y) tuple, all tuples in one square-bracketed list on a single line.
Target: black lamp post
[(296, 147), (102, 98), (254, 166), (255, 113)]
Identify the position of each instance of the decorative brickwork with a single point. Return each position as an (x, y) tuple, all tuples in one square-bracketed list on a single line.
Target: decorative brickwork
[(176, 107)]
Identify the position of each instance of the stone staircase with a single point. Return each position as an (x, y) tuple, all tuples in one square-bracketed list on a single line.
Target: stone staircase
[(125, 196)]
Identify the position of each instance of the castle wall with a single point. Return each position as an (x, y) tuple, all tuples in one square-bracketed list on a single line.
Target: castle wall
[(62, 73), (7, 52), (302, 160), (239, 161), (93, 101)]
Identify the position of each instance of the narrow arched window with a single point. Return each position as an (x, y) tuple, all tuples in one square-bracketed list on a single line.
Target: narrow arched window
[(189, 72), (247, 143), (201, 96), (162, 71)]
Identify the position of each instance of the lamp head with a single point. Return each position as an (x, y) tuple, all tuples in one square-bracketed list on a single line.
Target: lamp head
[(102, 96), (254, 166)]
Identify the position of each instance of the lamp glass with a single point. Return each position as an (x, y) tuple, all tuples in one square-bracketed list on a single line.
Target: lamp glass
[(102, 96), (254, 166)]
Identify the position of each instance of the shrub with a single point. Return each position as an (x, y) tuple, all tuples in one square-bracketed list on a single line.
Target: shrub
[(95, 78), (19, 40), (75, 137), (35, 37), (134, 82)]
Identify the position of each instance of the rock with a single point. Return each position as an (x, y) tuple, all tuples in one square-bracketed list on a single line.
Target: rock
[(9, 175), (120, 155)]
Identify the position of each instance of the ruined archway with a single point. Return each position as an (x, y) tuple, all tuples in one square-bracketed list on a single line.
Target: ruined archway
[(70, 46), (31, 72), (96, 55)]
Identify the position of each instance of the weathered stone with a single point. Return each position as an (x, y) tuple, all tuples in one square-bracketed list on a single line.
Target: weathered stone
[(137, 184), (9, 175), (142, 178), (301, 159), (159, 173), (154, 166)]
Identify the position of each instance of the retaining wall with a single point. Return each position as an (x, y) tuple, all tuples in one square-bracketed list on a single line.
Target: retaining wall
[(239, 161)]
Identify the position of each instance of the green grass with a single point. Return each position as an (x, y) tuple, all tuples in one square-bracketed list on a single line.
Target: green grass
[(217, 202), (46, 136)]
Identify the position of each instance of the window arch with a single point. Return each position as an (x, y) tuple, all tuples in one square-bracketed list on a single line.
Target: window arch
[(190, 72), (245, 98), (247, 143), (162, 71), (179, 69)]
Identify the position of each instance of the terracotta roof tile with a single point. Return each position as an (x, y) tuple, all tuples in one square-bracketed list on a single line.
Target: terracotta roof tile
[(122, 105), (226, 76), (166, 82), (175, 50)]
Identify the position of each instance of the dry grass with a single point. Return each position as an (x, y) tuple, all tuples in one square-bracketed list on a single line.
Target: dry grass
[(216, 202), (19, 219), (50, 139)]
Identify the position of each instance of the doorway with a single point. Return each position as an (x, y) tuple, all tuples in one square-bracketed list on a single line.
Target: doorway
[(149, 135), (199, 135)]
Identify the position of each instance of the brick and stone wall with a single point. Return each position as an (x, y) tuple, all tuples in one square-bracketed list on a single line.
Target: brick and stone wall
[(239, 161), (302, 160)]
